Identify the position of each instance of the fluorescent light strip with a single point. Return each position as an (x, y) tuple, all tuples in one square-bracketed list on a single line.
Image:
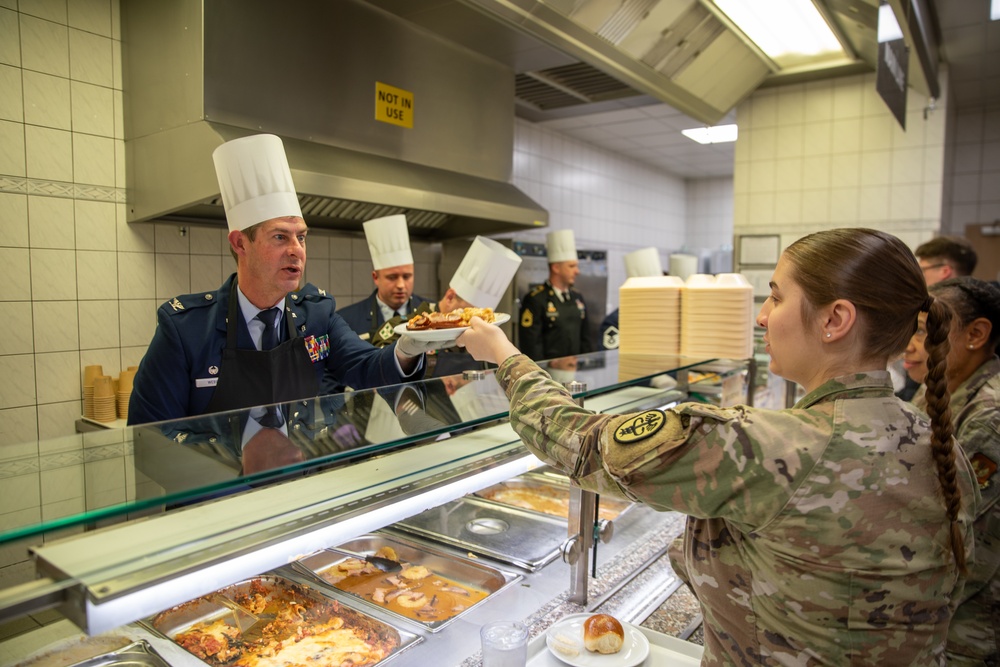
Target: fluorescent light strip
[(718, 134), (994, 10), (888, 26), (782, 27)]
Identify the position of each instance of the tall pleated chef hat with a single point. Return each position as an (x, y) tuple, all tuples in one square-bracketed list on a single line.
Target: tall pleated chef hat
[(255, 181), (388, 241), (643, 263), (560, 246), (485, 272), (480, 398)]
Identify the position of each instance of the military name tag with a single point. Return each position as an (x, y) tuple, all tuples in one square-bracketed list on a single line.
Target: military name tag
[(206, 382), (640, 427)]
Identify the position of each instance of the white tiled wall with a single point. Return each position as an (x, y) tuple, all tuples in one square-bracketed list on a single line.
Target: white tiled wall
[(829, 154), (609, 202), (975, 174)]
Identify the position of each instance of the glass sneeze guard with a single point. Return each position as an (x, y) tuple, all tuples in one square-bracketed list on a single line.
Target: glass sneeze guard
[(122, 473)]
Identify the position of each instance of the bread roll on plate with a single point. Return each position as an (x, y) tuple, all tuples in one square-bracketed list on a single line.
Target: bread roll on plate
[(603, 634)]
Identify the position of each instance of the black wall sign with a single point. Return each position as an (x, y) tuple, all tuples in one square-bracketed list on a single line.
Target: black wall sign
[(890, 79)]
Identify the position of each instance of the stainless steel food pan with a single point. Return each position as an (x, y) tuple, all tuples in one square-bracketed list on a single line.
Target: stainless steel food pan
[(181, 618), (511, 535), (136, 654), (609, 508), (462, 571)]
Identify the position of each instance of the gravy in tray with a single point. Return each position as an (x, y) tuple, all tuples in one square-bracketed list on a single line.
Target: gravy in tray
[(414, 592)]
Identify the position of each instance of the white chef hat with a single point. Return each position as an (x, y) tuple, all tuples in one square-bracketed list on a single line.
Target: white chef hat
[(643, 263), (485, 272), (560, 246), (388, 241), (255, 181)]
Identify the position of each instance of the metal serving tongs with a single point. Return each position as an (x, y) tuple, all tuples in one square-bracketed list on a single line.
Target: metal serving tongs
[(385, 564), (242, 618), (250, 625)]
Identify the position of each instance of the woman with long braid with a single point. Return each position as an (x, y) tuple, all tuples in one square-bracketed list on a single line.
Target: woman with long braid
[(834, 532), (973, 380)]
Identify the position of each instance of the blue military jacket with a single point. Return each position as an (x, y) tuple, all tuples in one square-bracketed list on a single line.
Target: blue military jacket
[(176, 376), (359, 315)]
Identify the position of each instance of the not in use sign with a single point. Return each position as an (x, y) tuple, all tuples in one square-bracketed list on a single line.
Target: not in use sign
[(393, 105)]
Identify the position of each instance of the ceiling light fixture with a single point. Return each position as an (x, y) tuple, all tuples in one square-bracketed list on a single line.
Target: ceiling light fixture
[(718, 134), (786, 30), (994, 10), (888, 26)]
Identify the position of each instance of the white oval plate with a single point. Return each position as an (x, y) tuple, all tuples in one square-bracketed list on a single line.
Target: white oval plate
[(635, 649), (443, 335)]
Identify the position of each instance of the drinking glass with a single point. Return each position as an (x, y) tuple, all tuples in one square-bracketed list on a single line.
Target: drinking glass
[(505, 644)]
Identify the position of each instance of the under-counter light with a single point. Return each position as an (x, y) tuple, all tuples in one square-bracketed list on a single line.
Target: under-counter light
[(718, 134), (788, 31)]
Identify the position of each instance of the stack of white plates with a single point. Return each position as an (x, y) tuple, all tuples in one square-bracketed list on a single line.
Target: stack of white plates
[(717, 316), (649, 315)]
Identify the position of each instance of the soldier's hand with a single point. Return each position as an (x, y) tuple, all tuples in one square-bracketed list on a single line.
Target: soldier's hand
[(411, 347), (486, 342)]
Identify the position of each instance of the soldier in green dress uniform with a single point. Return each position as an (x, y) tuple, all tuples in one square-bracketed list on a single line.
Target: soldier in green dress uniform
[(553, 318)]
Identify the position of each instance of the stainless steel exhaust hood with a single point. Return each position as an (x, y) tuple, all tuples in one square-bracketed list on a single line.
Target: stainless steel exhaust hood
[(322, 76)]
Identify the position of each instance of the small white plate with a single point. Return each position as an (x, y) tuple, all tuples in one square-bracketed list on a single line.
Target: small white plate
[(443, 335), (634, 650)]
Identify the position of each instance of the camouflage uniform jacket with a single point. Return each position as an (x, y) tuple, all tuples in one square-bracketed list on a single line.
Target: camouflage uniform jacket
[(816, 535), (974, 635)]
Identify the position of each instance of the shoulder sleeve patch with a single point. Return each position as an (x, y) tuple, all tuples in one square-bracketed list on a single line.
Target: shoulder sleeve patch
[(984, 468), (640, 427), (527, 319)]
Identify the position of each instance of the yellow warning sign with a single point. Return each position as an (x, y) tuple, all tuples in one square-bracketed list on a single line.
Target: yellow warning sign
[(393, 105)]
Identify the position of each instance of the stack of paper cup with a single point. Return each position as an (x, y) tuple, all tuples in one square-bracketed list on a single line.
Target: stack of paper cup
[(717, 316), (124, 392), (90, 373), (104, 399)]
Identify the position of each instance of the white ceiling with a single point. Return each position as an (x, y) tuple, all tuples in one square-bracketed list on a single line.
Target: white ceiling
[(648, 131), (970, 44)]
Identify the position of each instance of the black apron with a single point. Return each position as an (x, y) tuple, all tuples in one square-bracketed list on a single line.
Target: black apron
[(248, 378)]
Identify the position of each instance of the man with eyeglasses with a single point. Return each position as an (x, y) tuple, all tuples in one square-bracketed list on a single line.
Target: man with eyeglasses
[(945, 257), (940, 258)]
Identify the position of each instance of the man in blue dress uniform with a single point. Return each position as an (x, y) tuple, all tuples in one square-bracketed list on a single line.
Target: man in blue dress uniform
[(393, 301), (258, 339)]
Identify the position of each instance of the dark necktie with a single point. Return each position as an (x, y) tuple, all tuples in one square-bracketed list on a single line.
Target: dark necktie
[(270, 337), (272, 418)]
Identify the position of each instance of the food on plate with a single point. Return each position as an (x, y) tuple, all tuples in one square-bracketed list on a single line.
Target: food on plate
[(565, 644), (549, 500), (304, 631), (415, 591), (603, 634), (456, 318)]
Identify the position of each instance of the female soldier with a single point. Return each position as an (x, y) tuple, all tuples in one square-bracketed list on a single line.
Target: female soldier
[(974, 383), (833, 532)]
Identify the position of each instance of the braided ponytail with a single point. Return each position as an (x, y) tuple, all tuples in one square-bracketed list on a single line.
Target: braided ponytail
[(943, 445)]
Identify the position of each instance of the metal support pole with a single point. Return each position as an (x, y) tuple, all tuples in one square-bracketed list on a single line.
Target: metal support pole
[(582, 510)]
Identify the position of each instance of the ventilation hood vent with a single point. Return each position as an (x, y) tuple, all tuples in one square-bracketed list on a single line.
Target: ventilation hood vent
[(198, 73)]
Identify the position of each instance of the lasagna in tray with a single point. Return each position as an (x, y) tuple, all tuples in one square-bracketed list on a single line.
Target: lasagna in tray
[(305, 630)]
